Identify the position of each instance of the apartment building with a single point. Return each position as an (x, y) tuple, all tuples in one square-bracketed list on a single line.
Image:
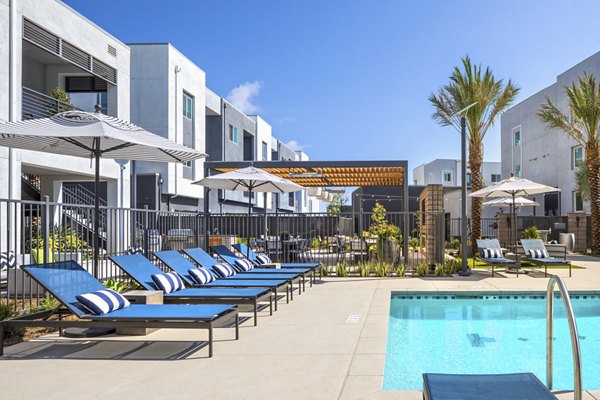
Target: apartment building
[(532, 151), (168, 97), (47, 47)]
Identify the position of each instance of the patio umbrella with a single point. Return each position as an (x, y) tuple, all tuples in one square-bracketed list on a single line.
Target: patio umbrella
[(93, 135), (250, 179), (513, 187), (519, 201)]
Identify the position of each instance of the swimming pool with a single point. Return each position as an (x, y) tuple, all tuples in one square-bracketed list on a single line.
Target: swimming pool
[(486, 334)]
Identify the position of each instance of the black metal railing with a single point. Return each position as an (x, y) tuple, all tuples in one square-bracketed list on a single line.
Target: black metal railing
[(39, 105)]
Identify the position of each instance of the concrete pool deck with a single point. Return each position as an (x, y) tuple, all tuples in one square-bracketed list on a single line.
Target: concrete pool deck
[(313, 348)]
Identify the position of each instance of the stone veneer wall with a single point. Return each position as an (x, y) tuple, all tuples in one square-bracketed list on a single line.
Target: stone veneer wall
[(431, 206), (579, 229)]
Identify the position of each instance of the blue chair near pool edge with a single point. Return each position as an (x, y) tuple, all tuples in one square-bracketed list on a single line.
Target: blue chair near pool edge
[(484, 387), (141, 270), (248, 253), (66, 280), (536, 253), (202, 258), (139, 262), (494, 245), (230, 258)]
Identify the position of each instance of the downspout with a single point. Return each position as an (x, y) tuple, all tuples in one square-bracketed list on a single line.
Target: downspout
[(11, 96), (177, 71), (224, 142)]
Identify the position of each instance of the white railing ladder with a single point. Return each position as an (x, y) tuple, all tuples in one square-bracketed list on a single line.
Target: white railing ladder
[(557, 281)]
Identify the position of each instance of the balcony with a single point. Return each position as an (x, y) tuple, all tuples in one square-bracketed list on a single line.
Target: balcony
[(39, 105)]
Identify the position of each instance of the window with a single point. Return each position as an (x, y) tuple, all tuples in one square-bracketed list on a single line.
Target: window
[(291, 199), (518, 171), (468, 179), (517, 137), (576, 156), (265, 151), (245, 194), (496, 178), (447, 177), (577, 201), (233, 134), (188, 106)]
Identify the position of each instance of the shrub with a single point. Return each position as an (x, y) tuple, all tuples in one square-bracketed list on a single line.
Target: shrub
[(414, 243), (401, 270), (49, 303), (7, 311), (440, 270), (422, 268), (364, 269), (118, 286), (531, 232), (455, 244), (325, 270), (341, 269), (382, 269)]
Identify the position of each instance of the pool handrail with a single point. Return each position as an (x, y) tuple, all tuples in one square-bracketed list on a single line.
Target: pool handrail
[(557, 281)]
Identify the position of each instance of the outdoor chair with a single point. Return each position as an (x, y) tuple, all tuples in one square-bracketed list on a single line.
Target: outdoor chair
[(253, 256), (232, 259), (66, 280), (491, 253), (141, 270), (536, 253), (178, 263), (484, 387), (209, 263)]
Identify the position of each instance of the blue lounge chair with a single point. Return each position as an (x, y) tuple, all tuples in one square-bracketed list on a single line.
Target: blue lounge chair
[(141, 270), (138, 261), (484, 387), (536, 253), (247, 252), (66, 280), (230, 258), (204, 259), (490, 253)]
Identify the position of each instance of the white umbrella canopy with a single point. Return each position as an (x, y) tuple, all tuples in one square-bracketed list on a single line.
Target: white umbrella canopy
[(249, 179), (513, 186), (93, 135), (508, 201)]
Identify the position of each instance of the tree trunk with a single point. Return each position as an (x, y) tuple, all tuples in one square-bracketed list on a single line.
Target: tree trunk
[(475, 162), (592, 162)]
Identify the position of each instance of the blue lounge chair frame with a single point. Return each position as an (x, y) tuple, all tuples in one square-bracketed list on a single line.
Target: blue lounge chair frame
[(65, 280), (538, 244), (484, 387), (494, 262), (251, 255), (273, 285), (141, 269), (230, 258)]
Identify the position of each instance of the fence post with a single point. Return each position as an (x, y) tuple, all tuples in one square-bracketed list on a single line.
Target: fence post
[(146, 231), (46, 233), (197, 235)]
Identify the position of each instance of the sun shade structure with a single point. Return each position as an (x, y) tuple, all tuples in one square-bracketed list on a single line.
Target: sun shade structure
[(93, 135), (249, 179), (513, 187)]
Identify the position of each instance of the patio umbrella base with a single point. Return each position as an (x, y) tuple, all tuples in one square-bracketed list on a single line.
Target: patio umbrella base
[(87, 332), (516, 271)]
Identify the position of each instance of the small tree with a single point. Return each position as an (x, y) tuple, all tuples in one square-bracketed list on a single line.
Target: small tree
[(382, 229), (64, 99), (336, 205)]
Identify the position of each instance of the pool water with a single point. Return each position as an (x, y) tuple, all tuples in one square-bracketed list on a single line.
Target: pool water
[(482, 334)]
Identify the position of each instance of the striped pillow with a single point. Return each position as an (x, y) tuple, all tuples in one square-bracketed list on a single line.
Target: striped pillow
[(490, 253), (135, 250), (263, 259), (242, 265), (202, 275), (223, 270), (538, 253), (7, 260), (102, 301), (168, 283)]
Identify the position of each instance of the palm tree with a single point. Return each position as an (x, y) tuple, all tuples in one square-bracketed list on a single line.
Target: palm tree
[(582, 183), (583, 125), (467, 86)]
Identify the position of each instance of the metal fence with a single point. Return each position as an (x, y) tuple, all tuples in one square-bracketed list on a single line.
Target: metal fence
[(43, 231)]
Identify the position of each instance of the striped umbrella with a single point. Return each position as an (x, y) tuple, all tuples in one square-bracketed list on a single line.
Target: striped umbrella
[(93, 135)]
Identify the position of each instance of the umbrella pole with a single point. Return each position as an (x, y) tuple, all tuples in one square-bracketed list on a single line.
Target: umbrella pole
[(97, 209), (248, 223)]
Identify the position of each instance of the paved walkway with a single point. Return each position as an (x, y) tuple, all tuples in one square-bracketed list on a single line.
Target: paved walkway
[(329, 343)]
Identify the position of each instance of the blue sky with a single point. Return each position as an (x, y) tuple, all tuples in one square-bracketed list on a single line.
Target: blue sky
[(349, 80)]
